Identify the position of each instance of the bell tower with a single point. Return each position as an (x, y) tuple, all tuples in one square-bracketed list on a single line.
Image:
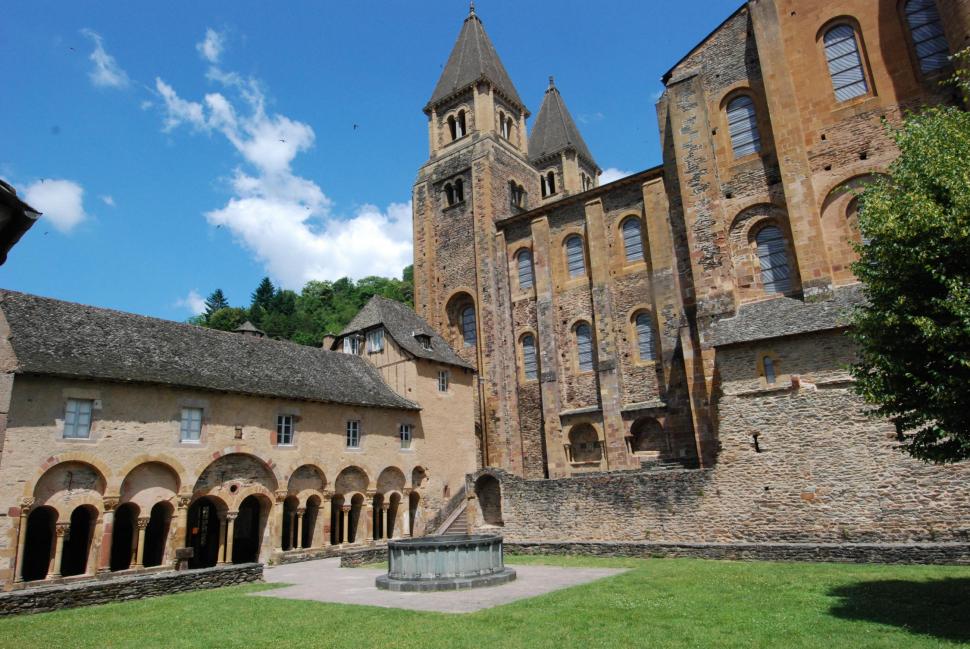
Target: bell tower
[(477, 173)]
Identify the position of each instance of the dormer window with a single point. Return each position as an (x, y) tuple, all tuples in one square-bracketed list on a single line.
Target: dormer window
[(375, 341), (424, 340), (353, 345)]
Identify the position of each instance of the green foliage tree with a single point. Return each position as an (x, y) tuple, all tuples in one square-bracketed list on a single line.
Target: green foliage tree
[(914, 333), (227, 319), (216, 300), (262, 301)]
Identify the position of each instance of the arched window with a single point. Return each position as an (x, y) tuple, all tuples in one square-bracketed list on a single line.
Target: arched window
[(551, 182), (449, 194), (460, 126), (584, 347), (769, 366), (530, 362), (584, 444), (517, 193), (508, 127), (645, 346), (524, 263), (773, 258), (632, 241), (743, 126), (453, 128), (845, 64), (504, 124), (575, 256), (468, 333), (459, 190), (926, 30)]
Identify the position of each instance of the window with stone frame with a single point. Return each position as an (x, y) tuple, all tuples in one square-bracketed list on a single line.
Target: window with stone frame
[(405, 432), (523, 262), (353, 433), (842, 53), (575, 256), (444, 380), (530, 359), (77, 418), (584, 347), (632, 239), (191, 425), (926, 34), (469, 335), (742, 120), (773, 260), (284, 430)]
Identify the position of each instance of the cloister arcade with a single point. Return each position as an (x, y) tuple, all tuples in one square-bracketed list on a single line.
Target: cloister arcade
[(78, 519)]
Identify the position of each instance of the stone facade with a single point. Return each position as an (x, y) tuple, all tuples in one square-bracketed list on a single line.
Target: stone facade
[(721, 344), (132, 491)]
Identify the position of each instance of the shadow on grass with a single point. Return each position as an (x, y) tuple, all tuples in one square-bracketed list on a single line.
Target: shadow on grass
[(934, 608)]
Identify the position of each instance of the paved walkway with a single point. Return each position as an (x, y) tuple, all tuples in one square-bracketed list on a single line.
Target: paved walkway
[(325, 581)]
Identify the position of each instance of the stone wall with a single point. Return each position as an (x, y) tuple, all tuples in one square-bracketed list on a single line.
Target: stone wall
[(120, 589)]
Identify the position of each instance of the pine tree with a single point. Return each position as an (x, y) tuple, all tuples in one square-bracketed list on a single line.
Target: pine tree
[(262, 300), (217, 300)]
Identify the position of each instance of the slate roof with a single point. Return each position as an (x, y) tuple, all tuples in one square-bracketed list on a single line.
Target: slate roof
[(16, 217), (401, 324), (74, 340), (554, 129), (786, 316), (473, 58)]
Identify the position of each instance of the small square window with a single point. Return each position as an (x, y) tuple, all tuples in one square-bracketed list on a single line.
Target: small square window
[(405, 433), (191, 429), (353, 434), (77, 418), (284, 430), (375, 341), (352, 345), (443, 380)]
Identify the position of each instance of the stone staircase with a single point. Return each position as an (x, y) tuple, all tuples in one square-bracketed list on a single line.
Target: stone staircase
[(458, 526), (669, 464)]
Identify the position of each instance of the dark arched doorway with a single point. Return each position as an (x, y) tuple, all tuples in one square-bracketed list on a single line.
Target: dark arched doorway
[(489, 494), (38, 543), (78, 542), (413, 500), (336, 520), (122, 536), (392, 511), (156, 534), (310, 520), (353, 518), (202, 534), (248, 531), (288, 542)]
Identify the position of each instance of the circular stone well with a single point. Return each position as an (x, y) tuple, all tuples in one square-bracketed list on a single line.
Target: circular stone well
[(434, 563)]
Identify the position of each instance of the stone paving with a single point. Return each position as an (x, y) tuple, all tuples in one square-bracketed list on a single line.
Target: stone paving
[(325, 581)]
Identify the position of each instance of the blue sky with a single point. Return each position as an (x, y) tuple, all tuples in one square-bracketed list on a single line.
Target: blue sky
[(178, 147)]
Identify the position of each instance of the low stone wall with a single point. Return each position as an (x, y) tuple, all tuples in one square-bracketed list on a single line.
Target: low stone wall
[(362, 557), (919, 553), (40, 599)]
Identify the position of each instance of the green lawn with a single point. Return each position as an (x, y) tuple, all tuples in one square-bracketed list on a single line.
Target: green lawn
[(659, 603)]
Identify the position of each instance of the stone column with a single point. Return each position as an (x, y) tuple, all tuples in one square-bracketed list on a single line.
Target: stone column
[(140, 547), (222, 539), (62, 530), (230, 532), (182, 523), (107, 532), (367, 516), (299, 526), (25, 506), (94, 548), (292, 530), (384, 508), (405, 506), (345, 518), (326, 512), (278, 520)]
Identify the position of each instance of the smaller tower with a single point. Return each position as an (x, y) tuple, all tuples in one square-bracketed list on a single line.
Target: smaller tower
[(558, 151)]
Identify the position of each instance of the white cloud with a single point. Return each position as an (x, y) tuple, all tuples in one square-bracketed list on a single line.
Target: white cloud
[(611, 174), (108, 200), (285, 220), (106, 73), (193, 302), (146, 104), (211, 47), (60, 201)]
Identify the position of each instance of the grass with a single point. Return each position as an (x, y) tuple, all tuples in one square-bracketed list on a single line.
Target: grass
[(659, 603)]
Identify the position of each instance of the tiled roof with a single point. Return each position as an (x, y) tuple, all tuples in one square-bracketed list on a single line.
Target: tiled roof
[(555, 130), (66, 339)]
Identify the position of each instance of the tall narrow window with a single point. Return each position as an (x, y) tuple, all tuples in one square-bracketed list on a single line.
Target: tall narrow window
[(545, 188), (584, 347), (845, 64), (769, 366), (517, 192), (77, 418), (530, 363), (468, 334), (524, 262), (926, 30), (453, 128), (375, 341), (449, 194), (353, 434), (460, 124), (773, 258), (191, 428), (405, 432), (459, 190), (632, 241), (551, 182), (504, 124), (575, 256), (743, 126), (444, 378), (284, 430), (645, 345)]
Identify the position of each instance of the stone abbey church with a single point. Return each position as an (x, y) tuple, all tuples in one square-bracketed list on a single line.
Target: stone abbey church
[(656, 364)]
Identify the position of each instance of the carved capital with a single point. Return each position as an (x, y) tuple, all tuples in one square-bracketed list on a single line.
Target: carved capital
[(25, 505), (231, 516), (280, 496), (300, 511), (143, 522), (327, 496), (110, 503), (345, 508), (385, 506), (407, 491), (62, 529), (183, 501)]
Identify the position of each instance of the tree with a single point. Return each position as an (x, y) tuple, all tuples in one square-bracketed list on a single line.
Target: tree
[(227, 319), (914, 333), (217, 300), (262, 300)]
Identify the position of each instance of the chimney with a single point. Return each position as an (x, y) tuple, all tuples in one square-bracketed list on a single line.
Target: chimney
[(328, 340), (249, 329)]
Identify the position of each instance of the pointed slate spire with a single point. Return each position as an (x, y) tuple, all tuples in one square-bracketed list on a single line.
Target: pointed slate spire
[(554, 130), (473, 58)]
